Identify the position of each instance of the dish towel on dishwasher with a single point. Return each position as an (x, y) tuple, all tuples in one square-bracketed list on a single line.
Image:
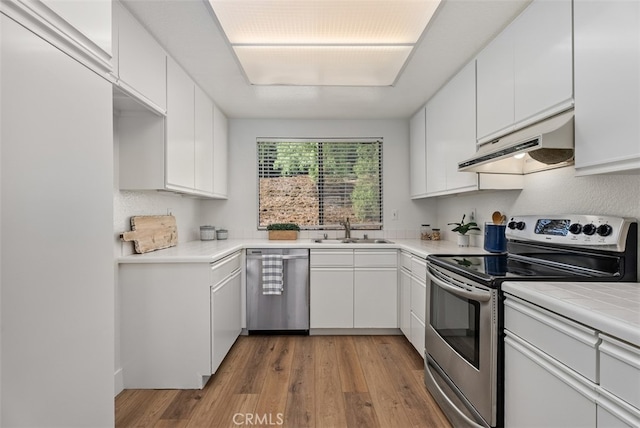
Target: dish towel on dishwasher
[(272, 276)]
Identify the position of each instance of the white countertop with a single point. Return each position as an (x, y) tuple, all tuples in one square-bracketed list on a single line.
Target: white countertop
[(208, 251), (610, 307)]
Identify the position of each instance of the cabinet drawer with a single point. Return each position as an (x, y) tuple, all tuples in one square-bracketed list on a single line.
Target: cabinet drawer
[(340, 258), (375, 258), (405, 260), (620, 369), (224, 267), (419, 268), (568, 342)]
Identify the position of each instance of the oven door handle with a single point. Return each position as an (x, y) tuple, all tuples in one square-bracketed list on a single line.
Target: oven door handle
[(477, 296)]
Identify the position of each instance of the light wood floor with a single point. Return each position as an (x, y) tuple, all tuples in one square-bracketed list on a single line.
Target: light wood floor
[(297, 381)]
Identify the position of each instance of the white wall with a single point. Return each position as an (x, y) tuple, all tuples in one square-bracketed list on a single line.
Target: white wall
[(549, 192), (239, 212)]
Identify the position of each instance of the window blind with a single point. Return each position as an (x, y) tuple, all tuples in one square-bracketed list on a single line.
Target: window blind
[(319, 183)]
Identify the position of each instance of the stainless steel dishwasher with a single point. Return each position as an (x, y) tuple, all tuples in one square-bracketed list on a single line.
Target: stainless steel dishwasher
[(283, 309)]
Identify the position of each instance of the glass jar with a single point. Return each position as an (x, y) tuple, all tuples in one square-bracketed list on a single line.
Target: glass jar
[(207, 233), (435, 234), (425, 232)]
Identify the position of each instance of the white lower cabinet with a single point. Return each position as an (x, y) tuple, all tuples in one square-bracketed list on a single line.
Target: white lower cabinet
[(541, 392), (412, 306), (404, 306), (353, 288), (559, 373), (331, 297), (417, 334), (170, 316), (375, 298), (226, 323)]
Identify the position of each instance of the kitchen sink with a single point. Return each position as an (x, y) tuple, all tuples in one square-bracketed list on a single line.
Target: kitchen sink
[(351, 241)]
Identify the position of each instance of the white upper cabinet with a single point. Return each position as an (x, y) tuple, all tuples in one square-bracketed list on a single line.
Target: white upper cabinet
[(607, 86), (91, 18), (141, 61), (220, 150), (81, 29), (525, 74), (543, 60), (496, 85), (184, 151), (417, 154), (180, 128), (203, 142), (451, 134)]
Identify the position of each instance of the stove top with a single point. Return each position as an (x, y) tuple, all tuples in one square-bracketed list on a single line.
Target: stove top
[(495, 268), (555, 249)]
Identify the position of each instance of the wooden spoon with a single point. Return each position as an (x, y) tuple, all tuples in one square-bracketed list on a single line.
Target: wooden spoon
[(496, 217)]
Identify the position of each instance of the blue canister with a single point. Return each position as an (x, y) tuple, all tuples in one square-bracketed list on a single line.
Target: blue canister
[(494, 239)]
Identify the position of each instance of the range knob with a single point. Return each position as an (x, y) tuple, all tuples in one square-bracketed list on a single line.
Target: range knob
[(520, 225), (575, 228), (604, 230), (511, 225), (589, 229)]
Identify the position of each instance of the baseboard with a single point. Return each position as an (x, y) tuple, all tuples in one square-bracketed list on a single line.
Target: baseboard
[(118, 382), (355, 331)]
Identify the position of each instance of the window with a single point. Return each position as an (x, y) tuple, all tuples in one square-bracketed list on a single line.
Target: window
[(319, 183)]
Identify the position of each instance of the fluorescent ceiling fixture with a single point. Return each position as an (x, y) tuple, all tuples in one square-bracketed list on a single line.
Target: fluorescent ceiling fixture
[(323, 42)]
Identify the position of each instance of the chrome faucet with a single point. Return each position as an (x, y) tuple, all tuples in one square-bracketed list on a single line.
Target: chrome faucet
[(347, 228)]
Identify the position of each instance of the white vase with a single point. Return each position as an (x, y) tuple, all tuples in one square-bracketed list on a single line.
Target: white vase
[(463, 240)]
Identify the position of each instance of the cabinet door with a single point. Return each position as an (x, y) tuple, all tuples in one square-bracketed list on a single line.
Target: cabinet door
[(543, 59), (220, 149), (405, 303), (57, 158), (375, 298), (417, 334), (540, 392), (141, 60), (495, 77), (203, 168), (180, 150), (225, 318), (417, 154), (91, 18), (331, 296), (418, 298), (607, 130), (451, 134)]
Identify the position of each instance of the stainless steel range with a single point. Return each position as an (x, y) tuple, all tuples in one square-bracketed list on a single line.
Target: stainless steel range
[(464, 311)]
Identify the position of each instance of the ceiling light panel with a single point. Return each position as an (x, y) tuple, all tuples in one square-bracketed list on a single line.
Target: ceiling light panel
[(323, 42), (322, 65), (323, 21)]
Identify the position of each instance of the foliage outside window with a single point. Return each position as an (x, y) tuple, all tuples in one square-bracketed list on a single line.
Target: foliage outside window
[(319, 183)]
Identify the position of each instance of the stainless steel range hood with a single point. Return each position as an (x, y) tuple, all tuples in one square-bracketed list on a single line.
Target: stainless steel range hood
[(544, 145)]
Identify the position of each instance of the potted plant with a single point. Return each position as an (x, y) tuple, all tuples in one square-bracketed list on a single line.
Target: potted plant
[(462, 228), (283, 231)]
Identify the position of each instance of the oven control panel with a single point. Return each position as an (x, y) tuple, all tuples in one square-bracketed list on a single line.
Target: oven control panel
[(589, 230)]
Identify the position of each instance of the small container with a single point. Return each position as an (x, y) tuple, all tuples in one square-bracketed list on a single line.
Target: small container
[(495, 240), (222, 234), (425, 232), (207, 233), (435, 234)]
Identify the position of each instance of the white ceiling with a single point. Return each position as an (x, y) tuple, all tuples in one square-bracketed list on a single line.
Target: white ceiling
[(188, 31)]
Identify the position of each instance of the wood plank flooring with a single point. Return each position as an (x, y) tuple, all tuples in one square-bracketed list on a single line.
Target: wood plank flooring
[(297, 381)]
